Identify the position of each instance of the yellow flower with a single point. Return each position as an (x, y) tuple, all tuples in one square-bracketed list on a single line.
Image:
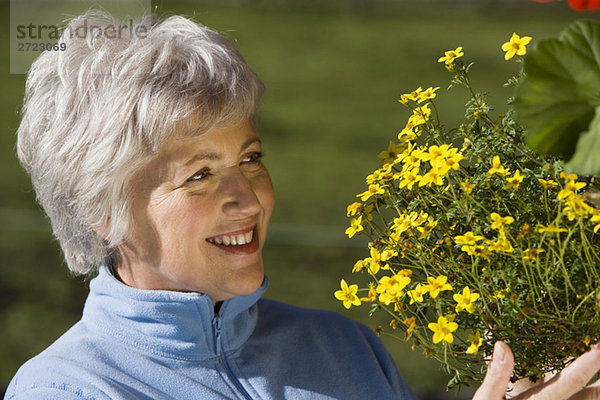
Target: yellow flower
[(451, 55), (499, 221), (374, 265), (405, 272), (434, 175), (347, 294), (465, 300), (407, 134), (426, 230), (410, 322), (414, 95), (468, 238), (413, 159), (497, 167), (405, 222), (437, 285), (381, 174), (412, 128), (570, 188), (428, 94), (477, 251), (390, 287), (514, 181), (596, 219), (531, 254), (434, 152), (576, 206), (549, 229), (422, 111), (442, 330), (387, 254), (372, 295), (390, 154), (416, 295), (466, 144), (355, 226), (516, 45), (403, 100), (586, 340), (450, 160), (359, 265), (467, 186), (378, 259), (548, 183), (476, 341), (500, 294), (422, 218), (409, 178), (415, 120), (353, 208), (373, 190), (568, 177), (501, 245)]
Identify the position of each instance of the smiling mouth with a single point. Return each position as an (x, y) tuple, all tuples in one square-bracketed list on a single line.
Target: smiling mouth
[(233, 239), (244, 242)]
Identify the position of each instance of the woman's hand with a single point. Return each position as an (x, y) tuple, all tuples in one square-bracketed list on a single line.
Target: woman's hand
[(569, 384)]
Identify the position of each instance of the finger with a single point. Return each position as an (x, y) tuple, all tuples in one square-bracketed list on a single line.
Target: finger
[(569, 381), (498, 374), (590, 392), (526, 383), (521, 386)]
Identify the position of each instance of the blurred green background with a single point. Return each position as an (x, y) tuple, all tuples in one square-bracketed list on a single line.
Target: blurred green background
[(333, 71)]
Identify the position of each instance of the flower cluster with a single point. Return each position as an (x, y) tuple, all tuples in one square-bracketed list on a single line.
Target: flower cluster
[(476, 238)]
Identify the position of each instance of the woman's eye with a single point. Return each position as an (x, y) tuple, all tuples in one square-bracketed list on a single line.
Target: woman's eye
[(253, 158), (198, 176)]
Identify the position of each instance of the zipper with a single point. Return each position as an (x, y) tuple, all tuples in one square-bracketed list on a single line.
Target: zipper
[(223, 360)]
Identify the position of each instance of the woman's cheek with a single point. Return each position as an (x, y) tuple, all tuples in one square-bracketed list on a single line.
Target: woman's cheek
[(178, 209)]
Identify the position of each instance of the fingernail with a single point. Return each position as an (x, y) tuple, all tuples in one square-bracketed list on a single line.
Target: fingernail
[(596, 346), (499, 352)]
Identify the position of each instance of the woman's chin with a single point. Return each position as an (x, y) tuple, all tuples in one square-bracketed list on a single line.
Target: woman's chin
[(242, 287)]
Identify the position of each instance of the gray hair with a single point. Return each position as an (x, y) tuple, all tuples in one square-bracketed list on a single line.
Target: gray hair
[(98, 111)]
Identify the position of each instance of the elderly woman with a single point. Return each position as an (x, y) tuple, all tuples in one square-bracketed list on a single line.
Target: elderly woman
[(143, 152)]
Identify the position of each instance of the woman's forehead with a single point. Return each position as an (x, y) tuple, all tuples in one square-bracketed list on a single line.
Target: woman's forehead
[(212, 144)]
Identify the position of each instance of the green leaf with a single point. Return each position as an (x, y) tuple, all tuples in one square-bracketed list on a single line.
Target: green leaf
[(558, 99), (586, 160)]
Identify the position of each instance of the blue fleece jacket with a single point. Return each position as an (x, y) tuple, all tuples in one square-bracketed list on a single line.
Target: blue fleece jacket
[(150, 344)]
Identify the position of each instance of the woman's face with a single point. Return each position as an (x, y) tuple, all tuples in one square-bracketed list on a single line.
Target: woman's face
[(200, 213)]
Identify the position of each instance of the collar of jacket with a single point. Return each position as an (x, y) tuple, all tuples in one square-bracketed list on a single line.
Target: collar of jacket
[(171, 324)]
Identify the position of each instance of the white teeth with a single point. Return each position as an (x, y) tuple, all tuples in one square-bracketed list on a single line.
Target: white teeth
[(233, 240)]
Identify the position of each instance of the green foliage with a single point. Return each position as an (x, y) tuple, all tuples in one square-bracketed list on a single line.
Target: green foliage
[(559, 99)]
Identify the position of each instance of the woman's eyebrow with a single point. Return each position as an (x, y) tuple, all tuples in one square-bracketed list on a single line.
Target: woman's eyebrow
[(215, 156), (203, 156), (249, 142)]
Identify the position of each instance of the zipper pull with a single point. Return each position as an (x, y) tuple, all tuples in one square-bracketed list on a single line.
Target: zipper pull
[(217, 331)]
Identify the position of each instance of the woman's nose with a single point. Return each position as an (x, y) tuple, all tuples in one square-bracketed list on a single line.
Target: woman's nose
[(239, 198)]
